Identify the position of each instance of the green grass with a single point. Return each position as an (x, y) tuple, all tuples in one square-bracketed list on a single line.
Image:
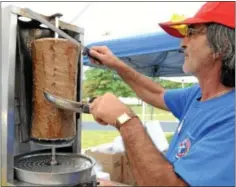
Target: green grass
[(158, 114), (94, 138)]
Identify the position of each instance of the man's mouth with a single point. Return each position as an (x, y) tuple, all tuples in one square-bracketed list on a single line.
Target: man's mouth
[(185, 54)]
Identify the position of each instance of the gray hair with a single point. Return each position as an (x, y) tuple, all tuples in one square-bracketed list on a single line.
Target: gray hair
[(222, 42)]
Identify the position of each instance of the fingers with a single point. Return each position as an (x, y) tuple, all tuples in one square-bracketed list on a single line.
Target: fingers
[(102, 55), (97, 55), (99, 49), (94, 61), (92, 99), (101, 122), (93, 107), (105, 109), (94, 110), (95, 100)]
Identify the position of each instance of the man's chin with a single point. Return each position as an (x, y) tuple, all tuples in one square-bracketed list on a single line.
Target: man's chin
[(186, 70)]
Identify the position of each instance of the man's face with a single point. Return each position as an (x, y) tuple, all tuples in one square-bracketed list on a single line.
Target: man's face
[(197, 53)]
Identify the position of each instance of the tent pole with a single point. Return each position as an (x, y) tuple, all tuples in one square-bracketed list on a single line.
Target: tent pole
[(143, 111)]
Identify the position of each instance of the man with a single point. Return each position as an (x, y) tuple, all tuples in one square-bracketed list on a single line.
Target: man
[(202, 149)]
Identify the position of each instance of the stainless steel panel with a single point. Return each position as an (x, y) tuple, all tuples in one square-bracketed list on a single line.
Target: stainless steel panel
[(1, 101), (7, 100), (77, 143)]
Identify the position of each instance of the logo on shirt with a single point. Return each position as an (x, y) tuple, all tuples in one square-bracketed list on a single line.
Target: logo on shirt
[(183, 148)]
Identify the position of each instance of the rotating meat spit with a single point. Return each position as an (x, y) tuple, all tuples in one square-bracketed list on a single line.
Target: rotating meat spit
[(16, 99)]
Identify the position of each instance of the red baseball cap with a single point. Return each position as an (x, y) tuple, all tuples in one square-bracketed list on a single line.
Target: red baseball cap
[(216, 12)]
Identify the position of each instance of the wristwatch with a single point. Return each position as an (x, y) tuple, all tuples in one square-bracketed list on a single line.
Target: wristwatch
[(123, 118)]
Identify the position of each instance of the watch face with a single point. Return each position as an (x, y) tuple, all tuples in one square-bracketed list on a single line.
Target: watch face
[(123, 118)]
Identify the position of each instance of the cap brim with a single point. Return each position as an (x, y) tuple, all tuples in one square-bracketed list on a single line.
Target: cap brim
[(167, 26)]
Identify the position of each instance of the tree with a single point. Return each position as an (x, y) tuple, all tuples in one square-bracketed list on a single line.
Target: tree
[(171, 84), (100, 81)]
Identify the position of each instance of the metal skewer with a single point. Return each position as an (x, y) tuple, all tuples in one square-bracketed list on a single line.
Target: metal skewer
[(53, 160), (57, 25)]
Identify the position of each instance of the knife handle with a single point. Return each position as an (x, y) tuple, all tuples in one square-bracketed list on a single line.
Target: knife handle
[(92, 99), (86, 109), (86, 53), (86, 106)]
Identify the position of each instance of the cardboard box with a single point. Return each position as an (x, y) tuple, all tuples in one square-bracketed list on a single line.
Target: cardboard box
[(110, 162), (127, 176), (116, 164)]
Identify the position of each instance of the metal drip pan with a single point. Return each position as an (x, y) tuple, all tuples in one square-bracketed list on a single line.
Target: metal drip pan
[(53, 142), (71, 168)]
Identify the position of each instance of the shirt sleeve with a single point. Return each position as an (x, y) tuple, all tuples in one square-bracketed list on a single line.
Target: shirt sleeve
[(175, 100), (210, 161)]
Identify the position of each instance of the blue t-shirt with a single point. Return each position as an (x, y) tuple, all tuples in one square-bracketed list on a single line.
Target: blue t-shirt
[(202, 149)]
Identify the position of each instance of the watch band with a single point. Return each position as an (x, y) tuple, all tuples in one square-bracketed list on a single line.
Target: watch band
[(130, 115)]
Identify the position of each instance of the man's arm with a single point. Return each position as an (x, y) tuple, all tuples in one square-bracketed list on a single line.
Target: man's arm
[(149, 91), (148, 165)]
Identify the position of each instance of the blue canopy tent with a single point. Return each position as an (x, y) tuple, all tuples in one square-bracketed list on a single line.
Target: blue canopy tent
[(154, 54)]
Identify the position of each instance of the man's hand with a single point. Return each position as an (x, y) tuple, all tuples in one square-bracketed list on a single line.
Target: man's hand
[(107, 108), (105, 57)]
